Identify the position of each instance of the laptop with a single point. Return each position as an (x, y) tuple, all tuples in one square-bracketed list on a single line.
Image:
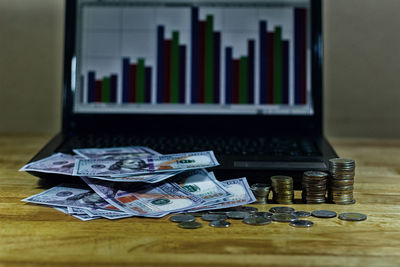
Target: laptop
[(241, 78)]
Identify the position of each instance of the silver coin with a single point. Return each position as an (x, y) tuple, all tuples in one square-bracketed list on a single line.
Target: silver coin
[(190, 225), (246, 209), (262, 214), (324, 213), (257, 220), (283, 217), (220, 224), (237, 214), (301, 213), (353, 201), (196, 214), (352, 216), (301, 223), (213, 217), (216, 212), (281, 210), (182, 218)]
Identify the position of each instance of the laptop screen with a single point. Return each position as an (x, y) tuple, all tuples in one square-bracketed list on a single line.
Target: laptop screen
[(193, 57)]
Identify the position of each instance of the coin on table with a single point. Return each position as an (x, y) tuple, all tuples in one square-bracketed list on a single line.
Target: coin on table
[(353, 201), (324, 213), (262, 214), (216, 212), (283, 217), (213, 217), (301, 213), (220, 224), (237, 214), (182, 218), (246, 209), (301, 223), (281, 210), (196, 214), (352, 216), (190, 225), (257, 220)]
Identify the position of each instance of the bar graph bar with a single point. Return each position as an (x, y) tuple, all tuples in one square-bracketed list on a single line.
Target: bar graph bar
[(250, 73), (106, 90), (300, 55), (91, 86), (277, 66), (270, 67), (113, 88), (216, 66), (228, 75), (182, 72), (132, 83), (98, 84)]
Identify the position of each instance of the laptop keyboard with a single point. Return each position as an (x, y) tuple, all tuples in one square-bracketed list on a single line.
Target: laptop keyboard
[(266, 146)]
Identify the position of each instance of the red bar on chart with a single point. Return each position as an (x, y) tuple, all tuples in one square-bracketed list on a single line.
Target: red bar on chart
[(132, 83)]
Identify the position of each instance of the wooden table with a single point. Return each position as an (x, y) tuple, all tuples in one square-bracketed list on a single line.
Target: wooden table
[(38, 235)]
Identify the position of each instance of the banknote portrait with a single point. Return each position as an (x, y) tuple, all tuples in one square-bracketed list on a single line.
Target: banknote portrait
[(131, 164)]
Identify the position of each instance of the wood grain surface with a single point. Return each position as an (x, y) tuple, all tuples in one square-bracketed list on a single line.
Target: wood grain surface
[(35, 235)]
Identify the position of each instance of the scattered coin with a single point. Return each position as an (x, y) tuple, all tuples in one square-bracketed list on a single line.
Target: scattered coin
[(246, 209), (301, 223), (262, 214), (324, 213), (283, 217), (346, 202), (213, 217), (256, 220), (196, 214), (352, 216), (237, 214), (190, 225), (220, 224), (281, 210), (300, 213), (182, 218)]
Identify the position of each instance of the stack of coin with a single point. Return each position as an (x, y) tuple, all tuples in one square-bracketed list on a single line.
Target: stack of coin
[(282, 188), (314, 187), (261, 192), (341, 183)]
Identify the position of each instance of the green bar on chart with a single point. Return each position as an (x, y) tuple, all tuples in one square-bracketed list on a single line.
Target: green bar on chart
[(209, 71), (140, 78), (105, 94)]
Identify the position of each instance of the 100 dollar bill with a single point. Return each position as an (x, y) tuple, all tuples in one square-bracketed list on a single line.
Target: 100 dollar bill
[(150, 164)]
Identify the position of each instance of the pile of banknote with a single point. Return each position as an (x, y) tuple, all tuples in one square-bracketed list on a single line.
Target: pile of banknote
[(123, 182)]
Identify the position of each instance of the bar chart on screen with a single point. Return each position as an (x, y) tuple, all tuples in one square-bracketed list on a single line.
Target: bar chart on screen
[(177, 57)]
